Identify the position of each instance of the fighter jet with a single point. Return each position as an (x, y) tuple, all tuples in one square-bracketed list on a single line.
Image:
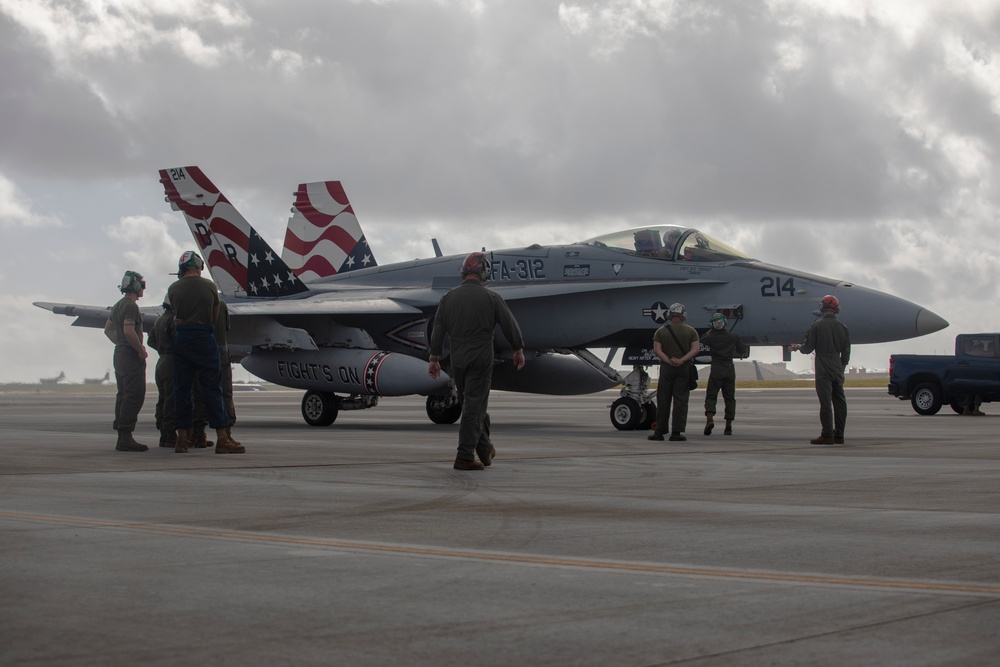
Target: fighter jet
[(357, 331)]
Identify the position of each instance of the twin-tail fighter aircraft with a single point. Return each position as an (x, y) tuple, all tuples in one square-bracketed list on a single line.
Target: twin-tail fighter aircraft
[(326, 318)]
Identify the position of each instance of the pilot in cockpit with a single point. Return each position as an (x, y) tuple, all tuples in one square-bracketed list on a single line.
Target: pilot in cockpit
[(670, 239)]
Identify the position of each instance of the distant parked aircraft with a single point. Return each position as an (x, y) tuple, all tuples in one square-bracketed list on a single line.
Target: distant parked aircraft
[(56, 380)]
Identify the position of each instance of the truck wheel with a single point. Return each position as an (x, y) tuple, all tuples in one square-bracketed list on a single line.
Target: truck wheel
[(926, 398)]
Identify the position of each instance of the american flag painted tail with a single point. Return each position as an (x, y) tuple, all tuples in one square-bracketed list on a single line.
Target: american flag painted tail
[(240, 260), (324, 237)]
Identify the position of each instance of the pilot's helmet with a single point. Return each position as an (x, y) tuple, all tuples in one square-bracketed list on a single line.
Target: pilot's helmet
[(132, 282), (829, 302), (476, 263), (189, 260), (677, 309), (718, 321)]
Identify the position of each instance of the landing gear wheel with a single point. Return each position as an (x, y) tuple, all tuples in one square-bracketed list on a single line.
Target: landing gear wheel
[(443, 415), (926, 399), (626, 413), (648, 416), (320, 409)]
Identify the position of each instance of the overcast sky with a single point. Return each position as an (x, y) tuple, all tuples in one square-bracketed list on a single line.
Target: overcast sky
[(853, 139)]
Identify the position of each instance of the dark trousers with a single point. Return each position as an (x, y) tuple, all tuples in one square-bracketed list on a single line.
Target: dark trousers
[(196, 354), (672, 389), (724, 378), (130, 376), (226, 368), (832, 405), (472, 371), (164, 376)]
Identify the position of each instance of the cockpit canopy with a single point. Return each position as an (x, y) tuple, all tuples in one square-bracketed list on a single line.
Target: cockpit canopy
[(668, 242)]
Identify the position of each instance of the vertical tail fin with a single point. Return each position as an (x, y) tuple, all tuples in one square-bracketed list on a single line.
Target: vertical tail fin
[(324, 237), (240, 261)]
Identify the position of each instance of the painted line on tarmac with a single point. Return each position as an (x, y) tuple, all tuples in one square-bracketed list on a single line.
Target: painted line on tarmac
[(911, 586)]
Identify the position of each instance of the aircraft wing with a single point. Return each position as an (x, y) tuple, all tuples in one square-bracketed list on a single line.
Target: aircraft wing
[(97, 316)]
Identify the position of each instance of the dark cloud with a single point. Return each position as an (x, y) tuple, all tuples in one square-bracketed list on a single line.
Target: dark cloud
[(858, 146)]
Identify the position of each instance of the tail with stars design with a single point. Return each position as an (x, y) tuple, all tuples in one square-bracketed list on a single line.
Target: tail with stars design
[(240, 261), (324, 237)]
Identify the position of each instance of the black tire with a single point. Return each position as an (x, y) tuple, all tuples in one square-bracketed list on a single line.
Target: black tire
[(926, 398), (626, 413), (958, 404), (648, 416), (439, 415), (320, 409)]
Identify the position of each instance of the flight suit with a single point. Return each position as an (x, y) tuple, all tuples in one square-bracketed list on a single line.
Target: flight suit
[(724, 346), (130, 369), (672, 389), (831, 341), (469, 314)]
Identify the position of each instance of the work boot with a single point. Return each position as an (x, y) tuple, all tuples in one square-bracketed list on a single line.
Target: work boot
[(675, 436), (488, 459), (198, 438), (709, 423), (466, 464), (978, 413), (183, 441), (168, 439), (654, 436), (967, 412), (229, 434), (224, 444), (126, 443), (729, 427), (822, 440), (838, 439)]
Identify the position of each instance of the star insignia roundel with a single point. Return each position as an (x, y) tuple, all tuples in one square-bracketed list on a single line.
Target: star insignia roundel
[(658, 311)]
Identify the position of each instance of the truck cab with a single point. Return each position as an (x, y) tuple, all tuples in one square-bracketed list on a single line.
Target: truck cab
[(930, 381)]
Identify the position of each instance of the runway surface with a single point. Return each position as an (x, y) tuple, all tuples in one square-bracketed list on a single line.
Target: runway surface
[(358, 544)]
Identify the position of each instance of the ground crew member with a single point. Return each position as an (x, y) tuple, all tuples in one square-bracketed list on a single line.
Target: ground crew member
[(469, 314), (675, 344), (723, 346), (195, 302), (225, 361), (161, 339), (124, 329), (831, 341)]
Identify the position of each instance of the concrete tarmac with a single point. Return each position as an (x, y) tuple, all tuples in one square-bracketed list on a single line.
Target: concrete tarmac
[(358, 544)]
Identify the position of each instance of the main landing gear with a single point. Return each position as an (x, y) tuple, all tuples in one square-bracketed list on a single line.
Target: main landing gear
[(321, 408)]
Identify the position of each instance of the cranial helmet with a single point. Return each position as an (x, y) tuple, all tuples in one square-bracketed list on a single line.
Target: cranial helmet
[(677, 309), (189, 260), (718, 321), (830, 302), (132, 282), (478, 264)]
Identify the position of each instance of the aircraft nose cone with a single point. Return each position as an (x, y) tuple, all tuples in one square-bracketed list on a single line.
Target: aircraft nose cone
[(928, 322)]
